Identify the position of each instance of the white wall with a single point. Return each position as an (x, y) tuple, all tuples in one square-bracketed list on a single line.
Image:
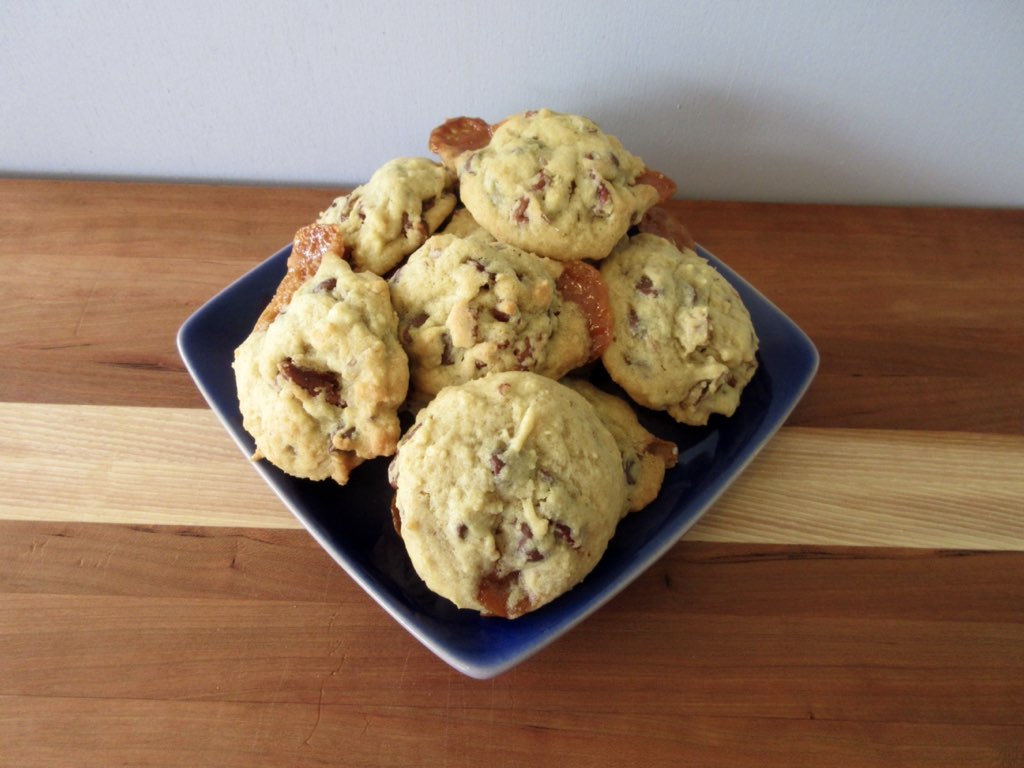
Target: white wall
[(797, 100)]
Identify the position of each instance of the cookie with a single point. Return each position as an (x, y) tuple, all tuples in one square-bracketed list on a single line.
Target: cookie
[(320, 385), (389, 217), (462, 224), (507, 491), (645, 457), (684, 342), (468, 307), (550, 183)]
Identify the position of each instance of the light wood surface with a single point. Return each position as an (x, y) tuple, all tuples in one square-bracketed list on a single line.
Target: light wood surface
[(810, 485), (856, 598)]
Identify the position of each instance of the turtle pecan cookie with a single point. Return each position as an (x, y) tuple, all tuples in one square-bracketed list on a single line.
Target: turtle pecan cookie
[(468, 307), (508, 489), (645, 457), (390, 216), (550, 183), (320, 385), (684, 342)]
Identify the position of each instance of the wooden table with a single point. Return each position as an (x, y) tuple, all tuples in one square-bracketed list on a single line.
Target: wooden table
[(857, 597)]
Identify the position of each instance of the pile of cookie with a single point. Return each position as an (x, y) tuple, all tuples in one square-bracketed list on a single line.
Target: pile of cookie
[(468, 291)]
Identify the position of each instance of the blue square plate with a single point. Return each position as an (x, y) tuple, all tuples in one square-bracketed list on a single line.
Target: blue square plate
[(353, 522)]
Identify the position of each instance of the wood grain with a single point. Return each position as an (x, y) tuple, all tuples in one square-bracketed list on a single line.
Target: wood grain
[(240, 647), (914, 310), (153, 466), (929, 311), (99, 276), (855, 599)]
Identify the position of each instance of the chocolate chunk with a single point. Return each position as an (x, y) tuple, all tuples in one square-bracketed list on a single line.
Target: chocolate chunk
[(645, 286), (564, 532), (314, 382)]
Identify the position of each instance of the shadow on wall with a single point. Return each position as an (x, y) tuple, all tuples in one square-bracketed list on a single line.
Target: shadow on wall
[(716, 146)]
